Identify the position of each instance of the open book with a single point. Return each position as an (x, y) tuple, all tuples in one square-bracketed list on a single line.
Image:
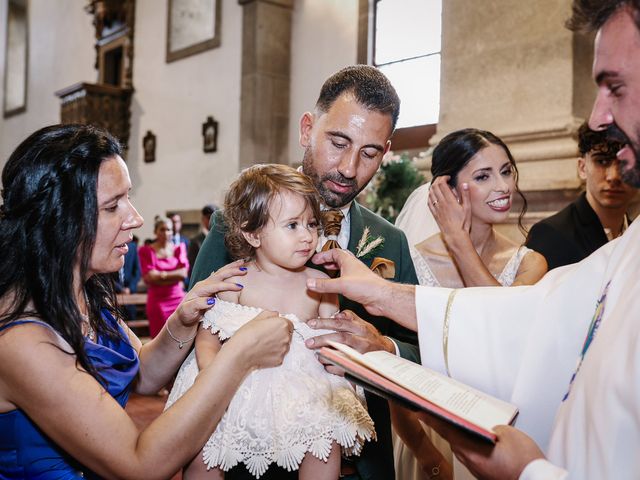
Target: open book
[(423, 389)]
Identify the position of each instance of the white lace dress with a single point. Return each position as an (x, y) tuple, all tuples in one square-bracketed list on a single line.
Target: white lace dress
[(279, 414)]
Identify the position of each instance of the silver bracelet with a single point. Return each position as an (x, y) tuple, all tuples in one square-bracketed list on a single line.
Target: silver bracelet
[(181, 343)]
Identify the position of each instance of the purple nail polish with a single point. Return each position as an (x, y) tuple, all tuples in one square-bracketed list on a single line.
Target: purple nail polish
[(240, 285), (243, 269), (211, 301)]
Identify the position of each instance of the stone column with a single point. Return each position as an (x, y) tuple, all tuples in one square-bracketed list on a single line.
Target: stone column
[(511, 67), (264, 101)]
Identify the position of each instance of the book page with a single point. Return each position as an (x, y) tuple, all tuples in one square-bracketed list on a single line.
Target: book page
[(458, 398)]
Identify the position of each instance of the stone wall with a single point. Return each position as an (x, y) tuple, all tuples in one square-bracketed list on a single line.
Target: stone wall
[(512, 68)]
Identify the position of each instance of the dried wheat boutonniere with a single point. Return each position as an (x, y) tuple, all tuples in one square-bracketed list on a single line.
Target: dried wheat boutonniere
[(367, 244)]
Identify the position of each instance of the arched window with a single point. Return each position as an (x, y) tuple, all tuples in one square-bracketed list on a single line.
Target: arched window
[(406, 47)]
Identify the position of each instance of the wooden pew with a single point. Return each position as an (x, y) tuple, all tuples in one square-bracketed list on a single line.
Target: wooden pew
[(134, 299)]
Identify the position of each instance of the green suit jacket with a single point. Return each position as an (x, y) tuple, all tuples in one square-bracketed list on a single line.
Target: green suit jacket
[(376, 460)]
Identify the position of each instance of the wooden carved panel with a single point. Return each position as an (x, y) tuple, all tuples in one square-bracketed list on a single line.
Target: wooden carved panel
[(106, 104), (114, 21), (103, 105)]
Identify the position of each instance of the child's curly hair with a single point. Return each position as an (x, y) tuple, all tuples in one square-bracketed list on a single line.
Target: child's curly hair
[(246, 204)]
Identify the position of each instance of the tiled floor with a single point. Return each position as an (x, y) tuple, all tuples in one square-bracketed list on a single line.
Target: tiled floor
[(144, 409)]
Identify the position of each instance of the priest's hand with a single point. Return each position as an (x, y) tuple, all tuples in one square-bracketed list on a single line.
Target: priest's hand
[(378, 296), (513, 450), (356, 281)]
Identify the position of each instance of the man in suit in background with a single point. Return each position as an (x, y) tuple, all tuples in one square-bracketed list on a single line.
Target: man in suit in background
[(177, 237), (345, 139), (196, 242), (598, 215)]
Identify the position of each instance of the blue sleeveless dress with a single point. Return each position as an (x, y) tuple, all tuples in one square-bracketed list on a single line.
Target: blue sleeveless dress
[(26, 452)]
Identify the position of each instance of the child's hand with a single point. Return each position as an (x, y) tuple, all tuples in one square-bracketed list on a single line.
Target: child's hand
[(201, 297), (265, 340)]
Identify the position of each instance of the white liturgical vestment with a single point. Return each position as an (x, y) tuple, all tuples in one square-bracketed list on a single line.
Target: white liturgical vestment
[(522, 344)]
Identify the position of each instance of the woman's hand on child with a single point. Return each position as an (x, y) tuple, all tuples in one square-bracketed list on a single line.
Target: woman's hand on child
[(201, 297), (265, 339), (452, 215)]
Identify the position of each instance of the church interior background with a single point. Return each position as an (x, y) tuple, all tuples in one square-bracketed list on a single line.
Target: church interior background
[(199, 89)]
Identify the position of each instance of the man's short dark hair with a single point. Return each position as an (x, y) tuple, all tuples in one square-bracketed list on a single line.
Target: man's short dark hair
[(591, 15), (371, 88), (601, 141), (208, 210)]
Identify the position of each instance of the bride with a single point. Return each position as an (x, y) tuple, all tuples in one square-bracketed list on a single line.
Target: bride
[(474, 180)]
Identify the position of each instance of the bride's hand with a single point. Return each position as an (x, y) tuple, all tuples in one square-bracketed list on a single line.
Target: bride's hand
[(201, 296), (453, 215)]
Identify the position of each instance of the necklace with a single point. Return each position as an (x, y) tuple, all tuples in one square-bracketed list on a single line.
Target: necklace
[(91, 333)]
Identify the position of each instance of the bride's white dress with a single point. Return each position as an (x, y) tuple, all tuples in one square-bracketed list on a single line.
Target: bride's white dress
[(279, 414), (506, 277)]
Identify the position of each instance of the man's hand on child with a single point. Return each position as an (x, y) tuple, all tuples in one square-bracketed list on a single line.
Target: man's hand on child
[(350, 330)]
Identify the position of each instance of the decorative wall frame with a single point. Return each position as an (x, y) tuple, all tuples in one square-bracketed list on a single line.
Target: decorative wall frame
[(16, 59), (193, 26), (210, 135), (149, 147)]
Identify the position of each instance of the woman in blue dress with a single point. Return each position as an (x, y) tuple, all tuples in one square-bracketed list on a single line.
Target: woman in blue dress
[(67, 361)]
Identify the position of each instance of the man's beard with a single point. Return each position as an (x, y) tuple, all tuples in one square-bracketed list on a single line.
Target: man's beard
[(630, 176), (331, 199)]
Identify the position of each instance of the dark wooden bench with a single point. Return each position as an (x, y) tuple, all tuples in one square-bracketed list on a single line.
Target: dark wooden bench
[(139, 325)]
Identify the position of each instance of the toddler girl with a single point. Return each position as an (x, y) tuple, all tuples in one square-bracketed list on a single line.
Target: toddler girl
[(296, 415)]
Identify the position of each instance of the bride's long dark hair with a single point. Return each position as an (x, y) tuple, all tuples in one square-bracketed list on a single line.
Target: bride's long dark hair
[(48, 224)]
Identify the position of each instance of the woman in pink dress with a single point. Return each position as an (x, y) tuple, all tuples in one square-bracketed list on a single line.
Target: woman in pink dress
[(164, 267)]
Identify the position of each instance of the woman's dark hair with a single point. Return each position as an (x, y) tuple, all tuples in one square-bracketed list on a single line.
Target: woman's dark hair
[(48, 224), (456, 150), (247, 203)]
